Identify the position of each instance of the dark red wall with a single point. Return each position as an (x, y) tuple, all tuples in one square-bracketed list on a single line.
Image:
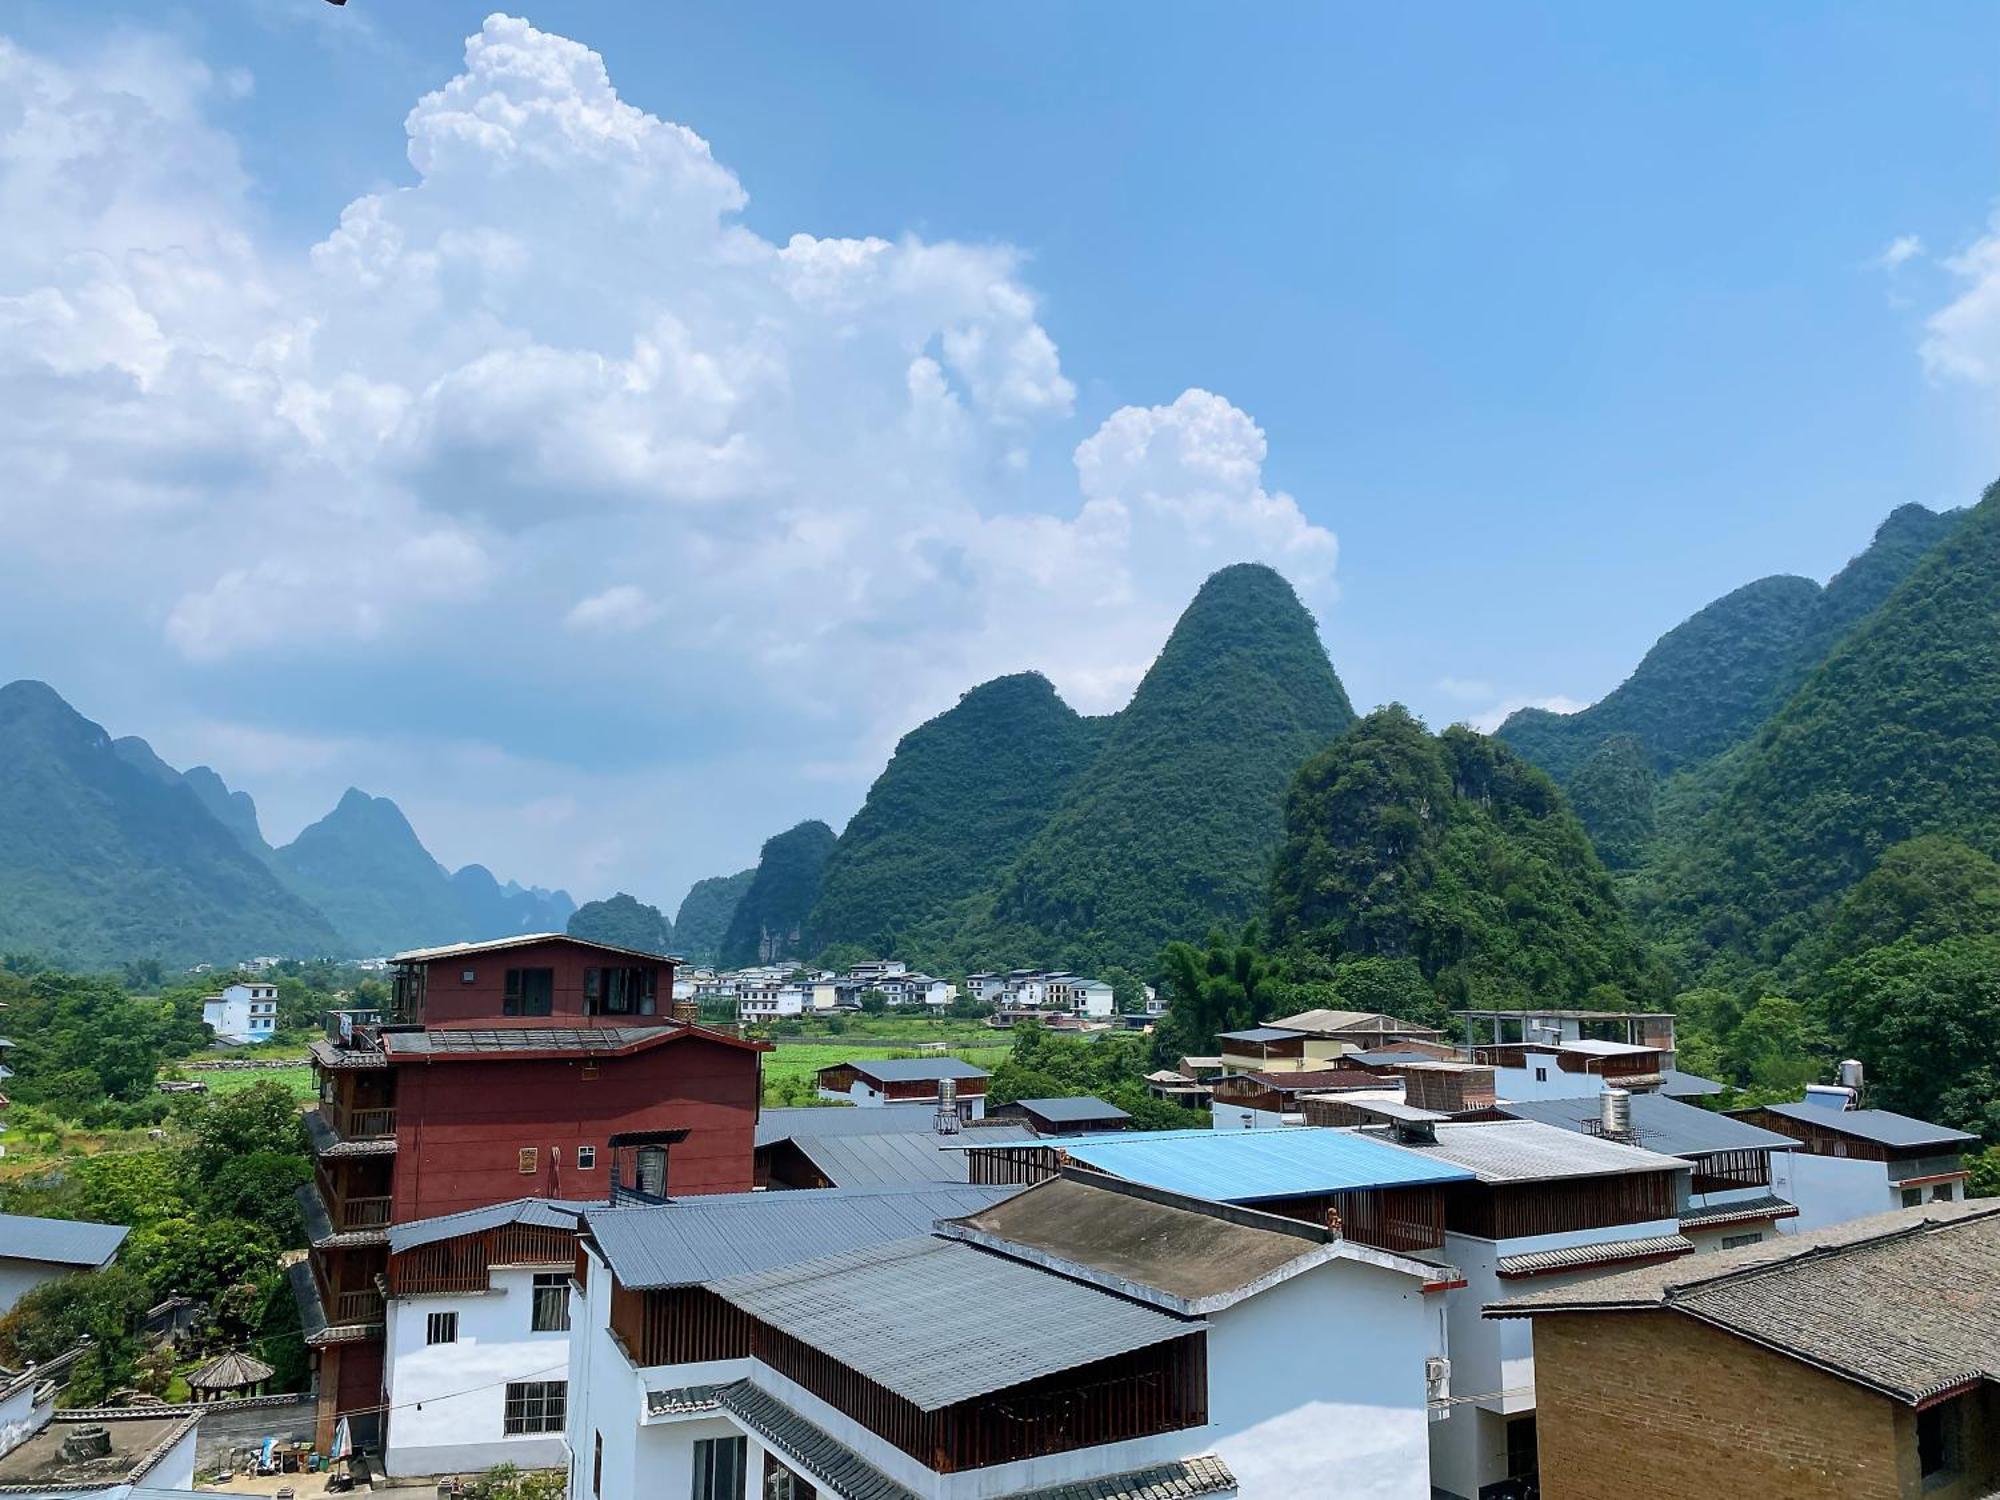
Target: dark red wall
[(449, 1000), (460, 1126)]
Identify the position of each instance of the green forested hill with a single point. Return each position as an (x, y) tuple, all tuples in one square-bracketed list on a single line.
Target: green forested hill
[(1453, 851), (363, 865), (1706, 685), (103, 859), (626, 921), (705, 912), (768, 924), (233, 810), (1172, 826), (960, 798), (1897, 734)]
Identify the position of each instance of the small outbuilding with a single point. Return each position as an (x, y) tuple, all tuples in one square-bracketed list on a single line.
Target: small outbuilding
[(1086, 1115)]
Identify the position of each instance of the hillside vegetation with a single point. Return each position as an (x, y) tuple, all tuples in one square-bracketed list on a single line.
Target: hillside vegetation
[(624, 921), (769, 922)]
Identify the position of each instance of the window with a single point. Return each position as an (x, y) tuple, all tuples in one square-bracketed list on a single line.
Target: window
[(1937, 1443), (586, 1158), (551, 1306), (1541, 1075), (718, 1469), (441, 1328), (528, 1157), (1912, 1197), (780, 1483), (466, 976), (1738, 1241), (597, 1463), (651, 1170), (530, 992), (535, 1406), (1941, 1193), (618, 992)]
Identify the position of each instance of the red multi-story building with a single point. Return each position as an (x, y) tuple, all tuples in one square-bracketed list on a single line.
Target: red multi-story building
[(537, 1066)]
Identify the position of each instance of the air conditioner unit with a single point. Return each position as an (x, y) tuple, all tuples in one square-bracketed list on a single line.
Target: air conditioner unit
[(1437, 1379)]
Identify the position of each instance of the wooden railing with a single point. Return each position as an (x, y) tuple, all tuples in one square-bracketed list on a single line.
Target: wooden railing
[(364, 1306), (360, 1213), (359, 1123)]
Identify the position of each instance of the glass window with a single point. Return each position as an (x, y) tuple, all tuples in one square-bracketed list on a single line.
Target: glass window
[(586, 1158), (718, 1469), (619, 992), (530, 992), (650, 1168), (551, 1306), (1912, 1197), (441, 1328), (1941, 1193), (535, 1406)]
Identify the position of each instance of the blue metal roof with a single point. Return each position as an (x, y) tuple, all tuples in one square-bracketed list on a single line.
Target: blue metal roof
[(1249, 1166), (63, 1242)]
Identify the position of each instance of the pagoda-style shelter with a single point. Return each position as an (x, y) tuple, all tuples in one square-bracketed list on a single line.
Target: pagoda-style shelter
[(231, 1374)]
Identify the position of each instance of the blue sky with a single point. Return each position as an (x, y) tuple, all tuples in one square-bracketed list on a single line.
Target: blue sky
[(1563, 320)]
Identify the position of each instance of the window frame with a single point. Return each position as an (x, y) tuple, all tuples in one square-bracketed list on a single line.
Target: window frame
[(441, 1328), (534, 1408), (586, 1158), (538, 1301), (521, 998), (720, 1481)]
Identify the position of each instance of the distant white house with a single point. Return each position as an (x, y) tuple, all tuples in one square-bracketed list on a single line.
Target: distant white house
[(242, 1012)]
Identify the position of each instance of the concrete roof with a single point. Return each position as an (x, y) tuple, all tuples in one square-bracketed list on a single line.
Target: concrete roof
[(61, 1242), (939, 1322), (1906, 1303), (701, 1239), (1659, 1124), (1248, 1166), (1527, 1151), (140, 1438), (1880, 1126), (1187, 1255)]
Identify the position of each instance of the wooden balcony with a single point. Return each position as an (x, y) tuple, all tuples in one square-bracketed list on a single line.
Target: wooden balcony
[(360, 1213), (364, 1306), (355, 1123)]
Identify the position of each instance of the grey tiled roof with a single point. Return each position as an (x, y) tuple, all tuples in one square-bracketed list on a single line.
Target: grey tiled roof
[(63, 1242), (542, 1213), (698, 1239), (1184, 1479), (1599, 1253), (1660, 1124), (683, 1400), (320, 1230), (1906, 1303), (1881, 1126), (326, 1141), (1738, 1211), (345, 1059), (1528, 1151), (939, 1322), (833, 1467)]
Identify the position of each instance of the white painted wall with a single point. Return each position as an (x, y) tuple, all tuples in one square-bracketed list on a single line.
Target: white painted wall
[(21, 1418), (462, 1385), (1287, 1410), (1494, 1358), (971, 1106), (175, 1469), (1545, 1079), (243, 1012), (20, 1277), (1832, 1189)]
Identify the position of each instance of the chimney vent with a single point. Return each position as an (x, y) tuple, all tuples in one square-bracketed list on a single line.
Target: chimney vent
[(82, 1444)]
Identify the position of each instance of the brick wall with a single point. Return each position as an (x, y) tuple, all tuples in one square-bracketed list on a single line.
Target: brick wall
[(1637, 1405)]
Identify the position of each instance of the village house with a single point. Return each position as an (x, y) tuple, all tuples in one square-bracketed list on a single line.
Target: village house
[(1332, 1034), (1078, 1115), (1850, 1163), (242, 1013), (1860, 1360), (104, 1451), (822, 1148), (33, 1251), (513, 1068), (933, 1082), (1734, 1164), (872, 1344)]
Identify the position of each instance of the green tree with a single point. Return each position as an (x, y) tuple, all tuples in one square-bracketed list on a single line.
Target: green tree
[(104, 1306), (1224, 985), (1926, 1017)]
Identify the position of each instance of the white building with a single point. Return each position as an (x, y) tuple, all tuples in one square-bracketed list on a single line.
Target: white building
[(770, 1003), (950, 1344), (33, 1251), (906, 1082), (1851, 1163), (242, 1012), (476, 1339)]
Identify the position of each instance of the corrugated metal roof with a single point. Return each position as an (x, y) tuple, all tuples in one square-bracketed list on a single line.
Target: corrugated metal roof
[(526, 939), (545, 1213), (1259, 1034), (1881, 1126), (1528, 1151), (1384, 1057), (1681, 1085), (1069, 1110), (939, 1322), (911, 1069), (1246, 1166), (879, 1160), (797, 1124), (1659, 1123), (62, 1242), (703, 1239), (1602, 1253)]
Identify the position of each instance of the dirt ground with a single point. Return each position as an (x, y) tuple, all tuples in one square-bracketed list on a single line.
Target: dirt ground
[(302, 1485)]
